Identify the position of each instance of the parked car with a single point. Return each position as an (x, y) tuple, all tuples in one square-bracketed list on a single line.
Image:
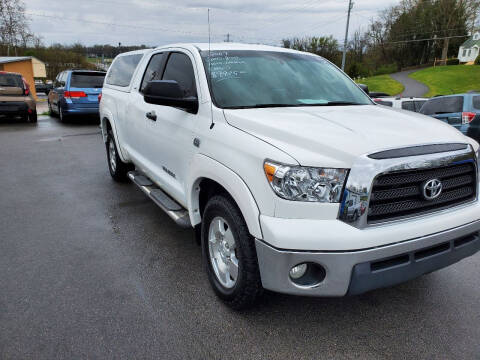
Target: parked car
[(262, 150), (410, 103), (462, 111), (75, 92), (41, 87), (16, 99)]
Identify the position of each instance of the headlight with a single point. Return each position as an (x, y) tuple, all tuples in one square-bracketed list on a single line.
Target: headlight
[(310, 184)]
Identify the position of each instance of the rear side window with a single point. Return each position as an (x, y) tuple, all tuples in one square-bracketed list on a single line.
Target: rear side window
[(408, 105), (179, 68), (87, 80), (384, 103), (476, 102), (11, 80), (452, 104), (122, 70)]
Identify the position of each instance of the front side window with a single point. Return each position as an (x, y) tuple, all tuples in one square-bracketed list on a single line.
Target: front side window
[(419, 104), (179, 68), (153, 71), (444, 105), (248, 79), (122, 69)]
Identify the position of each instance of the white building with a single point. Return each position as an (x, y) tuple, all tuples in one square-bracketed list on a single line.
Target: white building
[(469, 49)]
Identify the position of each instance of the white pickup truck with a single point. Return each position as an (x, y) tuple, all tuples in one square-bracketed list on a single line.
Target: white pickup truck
[(294, 180)]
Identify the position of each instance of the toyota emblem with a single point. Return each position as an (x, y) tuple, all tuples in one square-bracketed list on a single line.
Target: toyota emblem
[(432, 189)]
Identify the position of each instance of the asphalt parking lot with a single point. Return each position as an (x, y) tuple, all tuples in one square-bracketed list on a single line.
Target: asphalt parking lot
[(93, 269)]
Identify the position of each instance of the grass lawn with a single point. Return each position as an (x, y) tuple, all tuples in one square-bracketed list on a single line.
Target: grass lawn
[(382, 83), (446, 80)]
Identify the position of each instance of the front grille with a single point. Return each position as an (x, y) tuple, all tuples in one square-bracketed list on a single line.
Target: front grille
[(400, 194)]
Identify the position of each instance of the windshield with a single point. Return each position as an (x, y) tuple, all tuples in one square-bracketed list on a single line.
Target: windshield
[(247, 79), (87, 80), (11, 80)]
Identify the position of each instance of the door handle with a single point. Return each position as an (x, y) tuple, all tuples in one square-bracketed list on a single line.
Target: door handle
[(151, 115)]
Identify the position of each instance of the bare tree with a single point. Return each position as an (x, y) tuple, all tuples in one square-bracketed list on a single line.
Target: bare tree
[(14, 30)]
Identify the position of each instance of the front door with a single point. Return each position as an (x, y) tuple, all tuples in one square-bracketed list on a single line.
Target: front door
[(168, 142)]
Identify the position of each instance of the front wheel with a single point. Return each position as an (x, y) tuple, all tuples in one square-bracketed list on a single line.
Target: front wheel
[(118, 169), (229, 254)]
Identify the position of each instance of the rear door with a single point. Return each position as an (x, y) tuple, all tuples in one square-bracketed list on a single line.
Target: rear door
[(448, 109), (84, 88)]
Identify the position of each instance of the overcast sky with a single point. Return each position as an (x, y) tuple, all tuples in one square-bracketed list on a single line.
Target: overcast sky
[(158, 22)]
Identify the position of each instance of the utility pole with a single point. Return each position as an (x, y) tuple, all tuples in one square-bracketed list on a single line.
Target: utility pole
[(350, 6)]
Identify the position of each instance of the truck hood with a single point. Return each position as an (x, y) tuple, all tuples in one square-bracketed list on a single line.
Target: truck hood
[(336, 136)]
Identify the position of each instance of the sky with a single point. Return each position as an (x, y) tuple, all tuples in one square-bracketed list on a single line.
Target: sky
[(159, 22)]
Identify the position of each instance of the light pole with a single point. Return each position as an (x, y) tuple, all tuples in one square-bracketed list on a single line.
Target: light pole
[(350, 6)]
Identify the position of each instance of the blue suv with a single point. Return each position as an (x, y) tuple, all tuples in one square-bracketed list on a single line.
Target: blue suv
[(461, 111), (76, 92)]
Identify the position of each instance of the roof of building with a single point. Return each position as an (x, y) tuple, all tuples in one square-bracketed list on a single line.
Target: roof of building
[(9, 59), (471, 43)]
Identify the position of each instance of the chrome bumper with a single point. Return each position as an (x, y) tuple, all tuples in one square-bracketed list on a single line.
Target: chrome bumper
[(363, 270)]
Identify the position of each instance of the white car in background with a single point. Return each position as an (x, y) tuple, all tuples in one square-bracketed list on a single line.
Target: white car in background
[(410, 103)]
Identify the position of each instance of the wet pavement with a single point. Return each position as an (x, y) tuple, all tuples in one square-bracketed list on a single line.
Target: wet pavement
[(93, 269)]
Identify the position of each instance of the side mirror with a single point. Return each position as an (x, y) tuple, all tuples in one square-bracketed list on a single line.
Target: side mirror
[(168, 93), (364, 88)]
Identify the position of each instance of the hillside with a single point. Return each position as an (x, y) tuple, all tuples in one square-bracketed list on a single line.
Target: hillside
[(446, 80)]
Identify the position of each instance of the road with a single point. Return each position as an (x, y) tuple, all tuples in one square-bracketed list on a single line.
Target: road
[(413, 88), (93, 269)]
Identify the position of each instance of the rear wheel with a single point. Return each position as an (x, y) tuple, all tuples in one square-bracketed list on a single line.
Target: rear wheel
[(118, 169), (33, 117), (63, 117), (229, 253)]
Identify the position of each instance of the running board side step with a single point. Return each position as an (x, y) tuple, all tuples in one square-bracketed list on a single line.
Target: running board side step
[(173, 209)]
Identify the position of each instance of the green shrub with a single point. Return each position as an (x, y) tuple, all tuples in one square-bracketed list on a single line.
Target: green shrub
[(453, 61), (477, 60), (386, 69), (356, 70)]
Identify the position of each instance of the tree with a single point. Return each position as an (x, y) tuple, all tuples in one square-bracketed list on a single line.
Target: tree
[(325, 46), (14, 30)]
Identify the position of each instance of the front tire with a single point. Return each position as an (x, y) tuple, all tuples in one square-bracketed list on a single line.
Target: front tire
[(50, 110), (118, 169), (229, 254)]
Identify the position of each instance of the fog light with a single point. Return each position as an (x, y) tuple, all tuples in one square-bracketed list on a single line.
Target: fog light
[(298, 271)]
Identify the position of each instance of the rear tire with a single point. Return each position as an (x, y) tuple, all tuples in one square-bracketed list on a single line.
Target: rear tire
[(33, 117), (229, 254), (118, 169), (61, 114)]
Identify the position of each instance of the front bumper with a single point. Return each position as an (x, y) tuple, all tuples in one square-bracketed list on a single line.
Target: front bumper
[(355, 272)]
